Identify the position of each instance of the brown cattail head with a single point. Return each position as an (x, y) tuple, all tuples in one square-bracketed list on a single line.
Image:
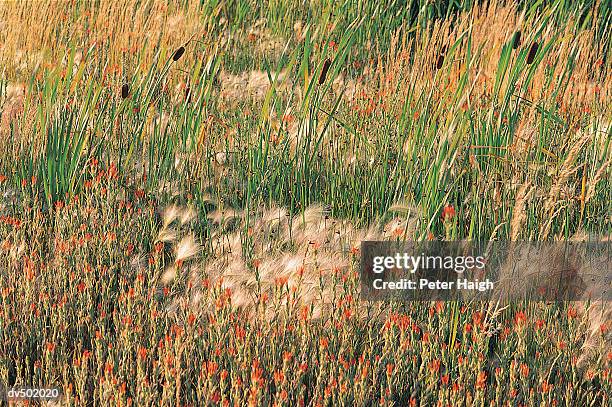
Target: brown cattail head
[(441, 56), (532, 52), (125, 91), (516, 40), (178, 54), (323, 75), (187, 94)]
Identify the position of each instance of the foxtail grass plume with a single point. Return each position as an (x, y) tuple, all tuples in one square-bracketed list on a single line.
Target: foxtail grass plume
[(323, 75), (187, 215), (532, 52), (186, 248), (170, 214), (166, 235), (169, 275)]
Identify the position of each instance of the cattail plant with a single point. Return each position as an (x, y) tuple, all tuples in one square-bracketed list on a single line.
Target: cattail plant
[(323, 75), (125, 91), (441, 56), (181, 50), (178, 53), (188, 94), (516, 40), (532, 52)]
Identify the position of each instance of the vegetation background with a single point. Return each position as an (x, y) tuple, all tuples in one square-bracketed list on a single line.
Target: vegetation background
[(184, 186)]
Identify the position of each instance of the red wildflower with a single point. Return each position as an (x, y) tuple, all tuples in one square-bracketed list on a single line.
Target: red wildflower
[(520, 318), (481, 380), (390, 368), (524, 370), (448, 213)]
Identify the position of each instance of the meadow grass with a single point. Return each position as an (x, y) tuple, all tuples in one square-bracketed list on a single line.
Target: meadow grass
[(185, 186)]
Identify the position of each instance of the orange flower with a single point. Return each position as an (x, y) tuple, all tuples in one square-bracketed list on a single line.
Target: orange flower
[(142, 352), (524, 370), (279, 377), (305, 312), (520, 318), (390, 368), (448, 213), (2, 178), (572, 313), (481, 380), (546, 387)]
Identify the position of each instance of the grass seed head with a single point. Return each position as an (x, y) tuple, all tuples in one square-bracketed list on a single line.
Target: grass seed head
[(186, 248)]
